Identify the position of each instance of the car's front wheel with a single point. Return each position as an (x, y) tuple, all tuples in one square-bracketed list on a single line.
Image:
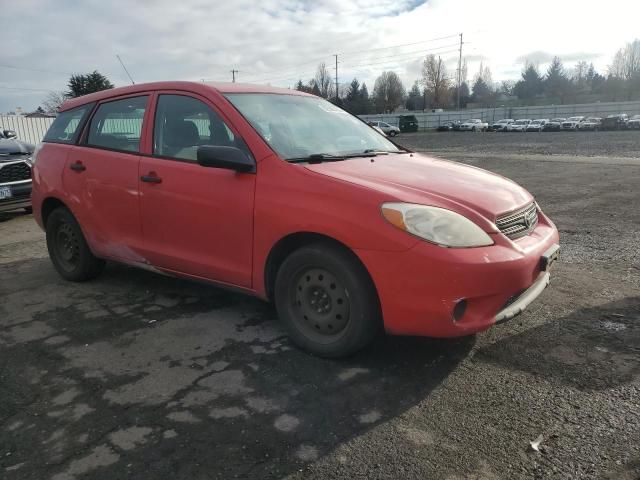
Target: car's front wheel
[(68, 248), (393, 133), (327, 300)]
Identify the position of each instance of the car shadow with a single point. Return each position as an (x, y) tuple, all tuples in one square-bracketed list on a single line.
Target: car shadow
[(208, 376), (593, 348)]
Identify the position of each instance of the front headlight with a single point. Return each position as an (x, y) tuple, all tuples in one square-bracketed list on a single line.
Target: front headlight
[(436, 225)]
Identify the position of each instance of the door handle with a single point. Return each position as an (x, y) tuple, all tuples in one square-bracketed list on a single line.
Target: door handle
[(151, 178), (77, 167)]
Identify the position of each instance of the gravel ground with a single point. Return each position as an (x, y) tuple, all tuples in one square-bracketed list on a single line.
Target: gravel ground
[(137, 375)]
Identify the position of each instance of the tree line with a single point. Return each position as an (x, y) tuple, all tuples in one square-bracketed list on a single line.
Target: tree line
[(437, 88)]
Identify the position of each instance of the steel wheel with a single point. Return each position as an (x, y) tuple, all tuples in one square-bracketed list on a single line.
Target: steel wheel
[(67, 246), (320, 303)]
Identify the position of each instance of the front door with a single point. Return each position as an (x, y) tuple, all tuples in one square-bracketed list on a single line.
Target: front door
[(101, 177), (195, 220)]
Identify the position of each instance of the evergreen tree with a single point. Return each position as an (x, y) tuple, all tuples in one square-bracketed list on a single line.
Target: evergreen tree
[(80, 85), (556, 82), (531, 84)]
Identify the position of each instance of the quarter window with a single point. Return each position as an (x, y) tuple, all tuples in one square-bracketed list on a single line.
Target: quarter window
[(66, 127), (182, 124), (117, 125)]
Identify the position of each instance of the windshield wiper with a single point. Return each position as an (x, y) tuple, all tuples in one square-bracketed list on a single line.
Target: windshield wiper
[(317, 158)]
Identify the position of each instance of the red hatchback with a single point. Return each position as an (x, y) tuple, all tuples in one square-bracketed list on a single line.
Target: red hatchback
[(289, 198)]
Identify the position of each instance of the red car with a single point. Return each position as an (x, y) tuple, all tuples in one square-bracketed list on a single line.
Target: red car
[(284, 196)]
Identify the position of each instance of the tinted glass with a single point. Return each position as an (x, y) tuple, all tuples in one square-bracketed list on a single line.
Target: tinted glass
[(298, 126), (117, 125), (183, 124), (66, 127)]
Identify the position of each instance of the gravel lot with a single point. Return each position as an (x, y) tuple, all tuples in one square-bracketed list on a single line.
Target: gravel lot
[(137, 375)]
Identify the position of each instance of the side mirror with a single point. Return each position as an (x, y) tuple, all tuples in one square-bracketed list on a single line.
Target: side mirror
[(10, 134), (230, 158)]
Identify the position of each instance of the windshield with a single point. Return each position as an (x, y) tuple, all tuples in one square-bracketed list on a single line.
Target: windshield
[(297, 126), (575, 119), (522, 122)]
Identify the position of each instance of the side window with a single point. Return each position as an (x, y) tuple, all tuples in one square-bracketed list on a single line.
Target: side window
[(117, 125), (66, 127), (182, 124)]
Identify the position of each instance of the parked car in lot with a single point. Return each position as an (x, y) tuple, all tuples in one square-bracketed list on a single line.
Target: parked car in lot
[(591, 123), (390, 130), (501, 125), (536, 125), (572, 123), (615, 122), (448, 126), (634, 122), (284, 196), (408, 123), (474, 125), (15, 172), (553, 125), (519, 125)]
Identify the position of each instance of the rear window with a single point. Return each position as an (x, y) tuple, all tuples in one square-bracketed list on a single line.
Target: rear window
[(117, 125), (67, 125)]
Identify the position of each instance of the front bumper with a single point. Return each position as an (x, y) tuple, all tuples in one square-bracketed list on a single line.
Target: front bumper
[(419, 288), (21, 196)]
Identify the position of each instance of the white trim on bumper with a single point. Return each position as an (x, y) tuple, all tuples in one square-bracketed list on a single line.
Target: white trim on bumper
[(524, 300)]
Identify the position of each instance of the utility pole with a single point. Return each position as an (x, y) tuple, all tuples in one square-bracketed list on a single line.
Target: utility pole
[(233, 74), (459, 74), (336, 55)]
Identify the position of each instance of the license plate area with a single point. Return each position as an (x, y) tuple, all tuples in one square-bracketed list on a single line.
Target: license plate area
[(549, 258), (5, 192)]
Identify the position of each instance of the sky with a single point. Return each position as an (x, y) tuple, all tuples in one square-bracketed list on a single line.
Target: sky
[(280, 41)]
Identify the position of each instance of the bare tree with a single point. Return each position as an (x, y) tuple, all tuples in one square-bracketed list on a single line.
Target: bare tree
[(435, 79), (388, 92), (626, 62), (324, 82), (484, 74), (52, 101)]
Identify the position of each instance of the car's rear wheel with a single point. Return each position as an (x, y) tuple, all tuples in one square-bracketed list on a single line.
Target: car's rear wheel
[(327, 301), (68, 248)]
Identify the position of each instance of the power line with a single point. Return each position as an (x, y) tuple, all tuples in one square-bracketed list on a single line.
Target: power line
[(401, 45), (28, 69), (295, 67), (295, 74)]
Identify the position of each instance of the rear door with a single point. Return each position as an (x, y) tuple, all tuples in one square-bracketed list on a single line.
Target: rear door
[(195, 220), (101, 176)]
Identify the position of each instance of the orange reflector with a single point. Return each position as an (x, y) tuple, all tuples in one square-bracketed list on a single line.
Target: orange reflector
[(394, 217)]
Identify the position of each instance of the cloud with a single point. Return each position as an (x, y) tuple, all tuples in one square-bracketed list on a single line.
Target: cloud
[(539, 57), (280, 41)]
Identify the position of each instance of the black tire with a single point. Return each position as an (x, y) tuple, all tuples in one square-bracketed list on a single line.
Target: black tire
[(28, 209), (68, 248), (473, 129), (327, 301), (393, 133)]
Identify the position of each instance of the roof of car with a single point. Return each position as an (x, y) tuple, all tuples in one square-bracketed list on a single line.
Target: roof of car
[(195, 87)]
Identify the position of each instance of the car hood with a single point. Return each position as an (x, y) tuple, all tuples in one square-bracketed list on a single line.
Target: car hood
[(10, 146), (417, 178)]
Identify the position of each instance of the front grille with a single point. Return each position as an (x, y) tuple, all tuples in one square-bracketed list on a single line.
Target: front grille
[(14, 172), (519, 223)]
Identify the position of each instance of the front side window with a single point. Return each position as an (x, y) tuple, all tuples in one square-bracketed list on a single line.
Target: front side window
[(117, 125), (66, 127), (184, 123), (297, 126)]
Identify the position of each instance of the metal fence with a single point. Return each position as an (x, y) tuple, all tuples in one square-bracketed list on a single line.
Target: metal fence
[(427, 120), (30, 130)]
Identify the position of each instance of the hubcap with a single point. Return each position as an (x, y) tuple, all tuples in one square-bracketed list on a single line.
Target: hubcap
[(320, 301), (67, 246)]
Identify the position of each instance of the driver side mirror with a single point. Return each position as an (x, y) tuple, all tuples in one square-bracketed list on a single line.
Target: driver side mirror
[(9, 134), (230, 158)]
